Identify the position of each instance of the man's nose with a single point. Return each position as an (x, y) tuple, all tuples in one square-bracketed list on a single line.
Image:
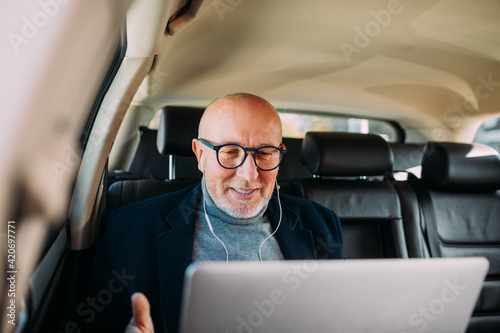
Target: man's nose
[(248, 170)]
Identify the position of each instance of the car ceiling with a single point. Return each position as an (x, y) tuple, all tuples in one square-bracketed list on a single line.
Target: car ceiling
[(425, 64)]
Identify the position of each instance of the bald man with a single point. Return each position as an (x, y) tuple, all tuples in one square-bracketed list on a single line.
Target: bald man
[(233, 214)]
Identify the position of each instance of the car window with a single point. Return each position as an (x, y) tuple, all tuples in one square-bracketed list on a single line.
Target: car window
[(489, 133), (295, 125)]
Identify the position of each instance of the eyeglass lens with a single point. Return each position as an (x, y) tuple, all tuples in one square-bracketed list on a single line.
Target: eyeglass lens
[(266, 158)]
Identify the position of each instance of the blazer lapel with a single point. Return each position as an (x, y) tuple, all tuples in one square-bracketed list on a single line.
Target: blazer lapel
[(295, 241), (175, 248)]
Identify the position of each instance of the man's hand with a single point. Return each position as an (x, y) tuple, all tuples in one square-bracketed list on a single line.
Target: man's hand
[(141, 321)]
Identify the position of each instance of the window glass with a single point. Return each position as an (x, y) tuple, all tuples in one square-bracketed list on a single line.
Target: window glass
[(489, 133), (295, 125)]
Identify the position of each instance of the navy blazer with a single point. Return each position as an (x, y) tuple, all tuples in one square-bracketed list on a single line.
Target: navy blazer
[(148, 245)]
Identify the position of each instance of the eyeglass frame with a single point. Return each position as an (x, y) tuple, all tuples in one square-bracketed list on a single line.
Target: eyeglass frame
[(246, 150)]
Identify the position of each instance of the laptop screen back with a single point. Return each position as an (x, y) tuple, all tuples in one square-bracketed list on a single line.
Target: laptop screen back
[(390, 295)]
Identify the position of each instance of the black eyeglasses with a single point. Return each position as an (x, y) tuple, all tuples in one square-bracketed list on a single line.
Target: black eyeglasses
[(231, 156)]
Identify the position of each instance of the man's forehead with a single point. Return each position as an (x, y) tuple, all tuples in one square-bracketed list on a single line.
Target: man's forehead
[(242, 133), (240, 142)]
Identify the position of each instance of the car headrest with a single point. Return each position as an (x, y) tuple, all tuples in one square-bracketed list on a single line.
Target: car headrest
[(346, 154), (449, 166), (178, 127)]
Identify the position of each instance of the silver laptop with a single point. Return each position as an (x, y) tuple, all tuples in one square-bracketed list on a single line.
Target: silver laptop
[(390, 295)]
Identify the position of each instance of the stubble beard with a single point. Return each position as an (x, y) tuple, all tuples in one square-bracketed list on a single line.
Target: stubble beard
[(240, 209)]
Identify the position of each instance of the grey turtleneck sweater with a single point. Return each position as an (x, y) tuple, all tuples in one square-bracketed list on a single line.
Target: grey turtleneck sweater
[(242, 237)]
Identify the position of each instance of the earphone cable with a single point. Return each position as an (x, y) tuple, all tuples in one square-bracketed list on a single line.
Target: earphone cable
[(213, 233)]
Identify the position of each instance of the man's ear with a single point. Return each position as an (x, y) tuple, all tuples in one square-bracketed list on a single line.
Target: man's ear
[(198, 151)]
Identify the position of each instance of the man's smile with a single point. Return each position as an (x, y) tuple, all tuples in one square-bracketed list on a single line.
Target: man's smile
[(243, 194)]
